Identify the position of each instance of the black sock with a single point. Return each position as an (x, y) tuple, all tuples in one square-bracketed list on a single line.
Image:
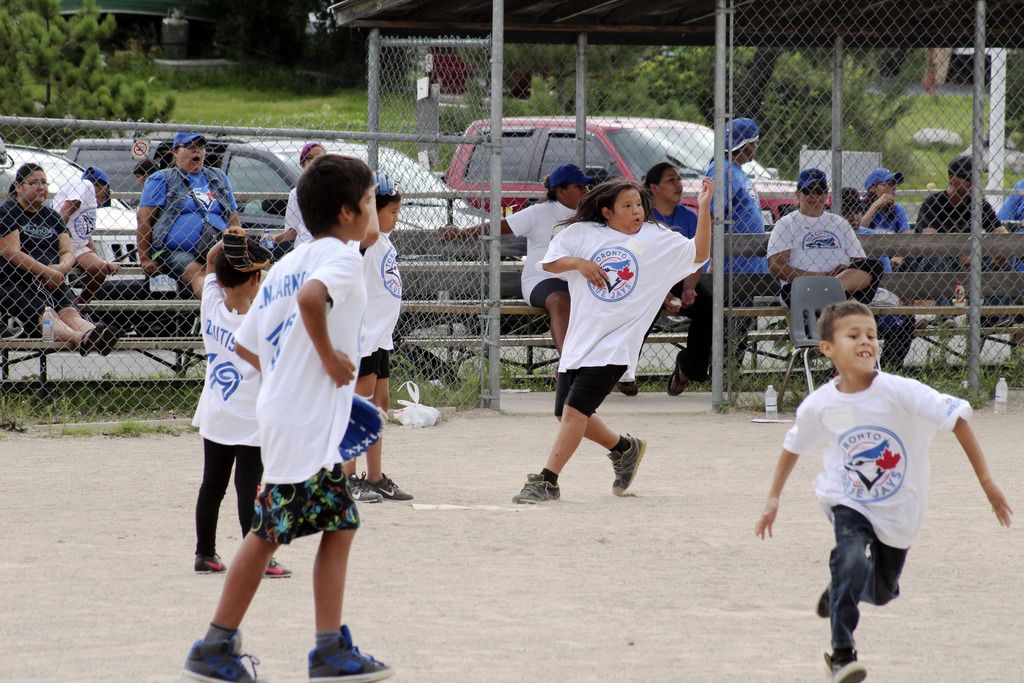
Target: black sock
[(549, 476), (622, 446)]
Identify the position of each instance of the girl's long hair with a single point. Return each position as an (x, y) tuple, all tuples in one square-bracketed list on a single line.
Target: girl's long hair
[(603, 197)]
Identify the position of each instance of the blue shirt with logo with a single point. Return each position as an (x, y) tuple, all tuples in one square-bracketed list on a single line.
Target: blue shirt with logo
[(893, 220), (744, 212), (188, 226)]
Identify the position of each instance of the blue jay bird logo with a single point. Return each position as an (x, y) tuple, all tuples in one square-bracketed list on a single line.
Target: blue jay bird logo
[(389, 274), (821, 240), (875, 463), (223, 375), (623, 272)]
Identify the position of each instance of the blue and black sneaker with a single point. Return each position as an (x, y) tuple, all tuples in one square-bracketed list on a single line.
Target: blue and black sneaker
[(219, 660), (344, 663)]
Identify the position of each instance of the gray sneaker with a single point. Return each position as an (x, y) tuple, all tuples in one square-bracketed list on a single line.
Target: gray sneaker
[(626, 464), (219, 660), (388, 489), (845, 668), (360, 491), (537, 490)]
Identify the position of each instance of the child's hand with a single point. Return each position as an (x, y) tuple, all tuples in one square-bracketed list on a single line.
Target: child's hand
[(1000, 506), (707, 192), (594, 273), (340, 368), (771, 509)]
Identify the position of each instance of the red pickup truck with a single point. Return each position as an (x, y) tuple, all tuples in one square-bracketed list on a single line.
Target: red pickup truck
[(626, 147)]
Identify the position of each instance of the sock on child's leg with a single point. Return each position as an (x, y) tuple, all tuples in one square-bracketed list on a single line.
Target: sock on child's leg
[(549, 476), (217, 633), (622, 446), (325, 638)]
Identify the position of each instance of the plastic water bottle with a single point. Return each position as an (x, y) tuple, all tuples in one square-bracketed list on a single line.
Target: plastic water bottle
[(48, 317), (771, 403), (1001, 395)]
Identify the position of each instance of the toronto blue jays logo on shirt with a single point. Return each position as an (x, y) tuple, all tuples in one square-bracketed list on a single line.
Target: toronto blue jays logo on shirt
[(622, 269), (821, 239), (390, 275), (224, 375), (875, 463)]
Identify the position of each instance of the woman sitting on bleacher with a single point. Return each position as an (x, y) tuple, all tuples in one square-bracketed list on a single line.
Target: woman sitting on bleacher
[(35, 257)]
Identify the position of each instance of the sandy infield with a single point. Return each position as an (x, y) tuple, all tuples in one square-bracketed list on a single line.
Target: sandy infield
[(96, 580)]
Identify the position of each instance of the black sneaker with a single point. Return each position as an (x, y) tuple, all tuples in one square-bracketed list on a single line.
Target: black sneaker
[(209, 564), (537, 490), (626, 464), (101, 339), (628, 388), (360, 491), (220, 660), (388, 489), (844, 667), (824, 604), (342, 661)]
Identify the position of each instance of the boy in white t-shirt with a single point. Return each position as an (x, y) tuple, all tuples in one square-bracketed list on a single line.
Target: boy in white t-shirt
[(618, 265), (76, 203), (294, 227), (384, 300), (877, 429), (302, 334), (226, 414)]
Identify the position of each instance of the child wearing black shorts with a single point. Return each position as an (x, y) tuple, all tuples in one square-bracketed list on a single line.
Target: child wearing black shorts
[(619, 265)]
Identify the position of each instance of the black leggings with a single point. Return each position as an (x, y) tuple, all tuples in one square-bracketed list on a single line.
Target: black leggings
[(218, 459)]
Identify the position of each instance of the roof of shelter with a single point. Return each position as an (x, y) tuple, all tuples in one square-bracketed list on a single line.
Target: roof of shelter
[(921, 23)]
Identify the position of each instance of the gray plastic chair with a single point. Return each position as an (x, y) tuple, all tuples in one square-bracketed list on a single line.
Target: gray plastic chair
[(809, 295)]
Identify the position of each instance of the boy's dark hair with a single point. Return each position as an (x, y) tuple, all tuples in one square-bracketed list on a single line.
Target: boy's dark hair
[(385, 199), (603, 197), (23, 172), (330, 182), (850, 201), (228, 276), (145, 167), (654, 173), (833, 313), (552, 194)]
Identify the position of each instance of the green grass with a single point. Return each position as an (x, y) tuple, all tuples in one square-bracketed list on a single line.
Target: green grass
[(135, 429), (237, 105)]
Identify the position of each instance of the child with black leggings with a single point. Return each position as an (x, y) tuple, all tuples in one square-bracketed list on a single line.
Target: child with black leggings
[(226, 415)]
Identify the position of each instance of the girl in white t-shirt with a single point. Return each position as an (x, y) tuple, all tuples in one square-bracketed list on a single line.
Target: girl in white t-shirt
[(226, 414), (618, 265), (77, 203), (384, 300), (876, 429), (294, 227)]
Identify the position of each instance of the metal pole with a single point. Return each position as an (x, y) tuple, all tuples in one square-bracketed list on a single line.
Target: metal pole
[(718, 230), (837, 122), (581, 100), (493, 326), (373, 96), (977, 197)]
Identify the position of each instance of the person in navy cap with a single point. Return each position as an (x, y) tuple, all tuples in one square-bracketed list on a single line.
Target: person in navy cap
[(565, 185), (182, 212), (77, 202)]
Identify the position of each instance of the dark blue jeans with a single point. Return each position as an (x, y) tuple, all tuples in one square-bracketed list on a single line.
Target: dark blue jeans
[(856, 575)]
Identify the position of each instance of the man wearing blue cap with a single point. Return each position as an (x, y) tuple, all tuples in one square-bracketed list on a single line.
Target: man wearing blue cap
[(812, 241), (77, 202), (882, 212), (182, 212)]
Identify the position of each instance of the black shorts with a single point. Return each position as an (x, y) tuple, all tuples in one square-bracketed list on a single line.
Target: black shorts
[(377, 363), (872, 266), (546, 288), (285, 512), (27, 303), (586, 388)]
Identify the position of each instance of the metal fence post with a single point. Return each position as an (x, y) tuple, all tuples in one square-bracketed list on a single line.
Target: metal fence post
[(373, 96), (717, 246), (837, 118), (977, 197), (493, 327), (581, 100)]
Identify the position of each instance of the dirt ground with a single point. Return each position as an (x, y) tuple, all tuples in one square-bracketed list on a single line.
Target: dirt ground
[(96, 580)]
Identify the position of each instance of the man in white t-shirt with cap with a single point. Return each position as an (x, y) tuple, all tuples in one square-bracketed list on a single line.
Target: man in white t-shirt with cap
[(77, 203)]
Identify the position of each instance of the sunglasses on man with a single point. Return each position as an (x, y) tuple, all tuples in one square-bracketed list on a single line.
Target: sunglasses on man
[(814, 191)]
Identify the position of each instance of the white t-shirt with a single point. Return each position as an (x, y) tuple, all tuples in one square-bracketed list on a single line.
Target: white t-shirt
[(383, 295), (293, 219), (537, 224), (876, 456), (607, 325), (226, 412), (83, 221), (302, 415), (818, 244)]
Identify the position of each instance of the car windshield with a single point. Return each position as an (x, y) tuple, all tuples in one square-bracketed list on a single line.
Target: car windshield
[(690, 149), (59, 171)]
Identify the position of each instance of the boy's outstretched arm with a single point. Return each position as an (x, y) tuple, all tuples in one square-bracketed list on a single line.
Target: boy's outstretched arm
[(702, 238), (787, 461), (312, 300), (969, 442)]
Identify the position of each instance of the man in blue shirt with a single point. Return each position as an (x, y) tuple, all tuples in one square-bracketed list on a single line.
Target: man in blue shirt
[(689, 297)]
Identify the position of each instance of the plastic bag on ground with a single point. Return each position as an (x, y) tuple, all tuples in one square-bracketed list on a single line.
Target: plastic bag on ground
[(413, 413)]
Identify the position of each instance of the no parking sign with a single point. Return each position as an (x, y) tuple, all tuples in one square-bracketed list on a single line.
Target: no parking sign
[(140, 149)]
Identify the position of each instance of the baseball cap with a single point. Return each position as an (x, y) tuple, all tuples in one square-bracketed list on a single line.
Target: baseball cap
[(739, 132), (187, 138), (96, 175), (810, 177), (882, 175), (386, 187), (306, 149), (961, 167), (569, 174)]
